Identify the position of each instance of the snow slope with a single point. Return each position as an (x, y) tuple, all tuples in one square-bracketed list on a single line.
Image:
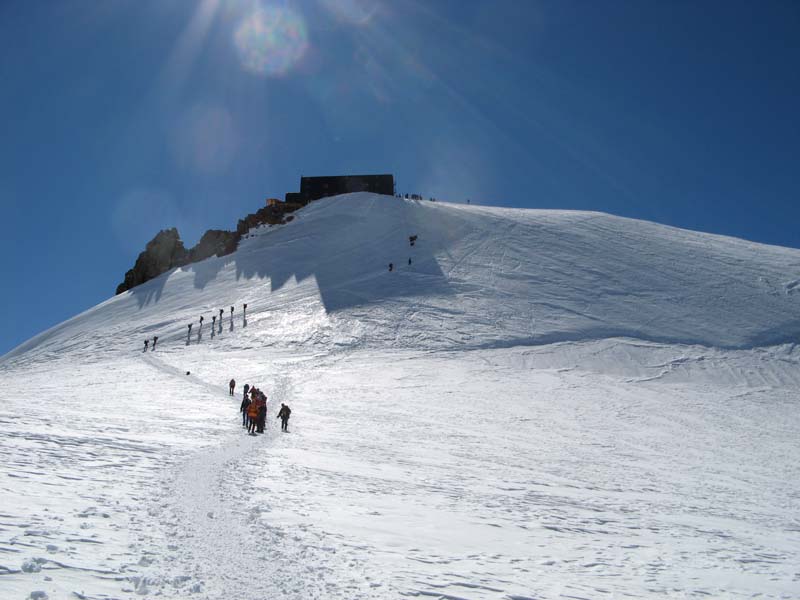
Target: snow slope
[(542, 404), (481, 277)]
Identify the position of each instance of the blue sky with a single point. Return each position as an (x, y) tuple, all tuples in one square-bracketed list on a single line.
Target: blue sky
[(123, 117)]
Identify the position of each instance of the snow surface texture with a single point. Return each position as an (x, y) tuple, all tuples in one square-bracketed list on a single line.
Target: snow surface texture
[(544, 404)]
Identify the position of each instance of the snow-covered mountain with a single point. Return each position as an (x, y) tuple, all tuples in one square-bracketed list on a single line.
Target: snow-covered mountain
[(480, 278), (530, 404)]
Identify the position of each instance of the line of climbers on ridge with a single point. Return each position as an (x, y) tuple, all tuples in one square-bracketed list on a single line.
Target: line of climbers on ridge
[(202, 318), (414, 197), (214, 321), (412, 240), (254, 409)]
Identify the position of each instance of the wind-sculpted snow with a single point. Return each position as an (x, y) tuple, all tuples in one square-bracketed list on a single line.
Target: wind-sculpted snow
[(542, 405)]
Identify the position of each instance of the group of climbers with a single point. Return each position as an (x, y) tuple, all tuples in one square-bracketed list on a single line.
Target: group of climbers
[(254, 401), (254, 410), (202, 318), (214, 319), (256, 407)]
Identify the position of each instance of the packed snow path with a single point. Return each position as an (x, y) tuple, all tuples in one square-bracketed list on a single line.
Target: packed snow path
[(453, 435)]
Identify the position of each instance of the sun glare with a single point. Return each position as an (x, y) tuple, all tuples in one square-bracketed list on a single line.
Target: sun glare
[(271, 40)]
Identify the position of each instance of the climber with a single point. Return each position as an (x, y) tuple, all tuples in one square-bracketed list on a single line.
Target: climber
[(231, 386), (283, 415), (252, 415), (262, 413), (243, 409)]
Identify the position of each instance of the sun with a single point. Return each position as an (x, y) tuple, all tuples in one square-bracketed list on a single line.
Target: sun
[(271, 40)]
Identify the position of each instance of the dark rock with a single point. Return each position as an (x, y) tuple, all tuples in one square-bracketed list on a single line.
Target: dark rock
[(269, 215), (164, 252), (215, 242)]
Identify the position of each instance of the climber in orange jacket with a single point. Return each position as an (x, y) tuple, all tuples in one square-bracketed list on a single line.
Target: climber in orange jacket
[(252, 415)]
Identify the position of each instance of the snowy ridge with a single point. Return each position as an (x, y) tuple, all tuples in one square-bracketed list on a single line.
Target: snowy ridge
[(543, 404), (480, 278)]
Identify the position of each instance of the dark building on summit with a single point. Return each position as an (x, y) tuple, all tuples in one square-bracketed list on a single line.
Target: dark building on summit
[(314, 188)]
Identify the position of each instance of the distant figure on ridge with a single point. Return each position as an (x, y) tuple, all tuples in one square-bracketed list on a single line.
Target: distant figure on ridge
[(213, 320), (231, 386), (146, 343), (409, 260), (283, 415), (220, 314), (190, 327), (201, 320), (412, 239), (231, 311), (391, 267), (155, 339)]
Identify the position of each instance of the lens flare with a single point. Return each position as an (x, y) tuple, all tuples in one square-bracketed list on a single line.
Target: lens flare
[(271, 40)]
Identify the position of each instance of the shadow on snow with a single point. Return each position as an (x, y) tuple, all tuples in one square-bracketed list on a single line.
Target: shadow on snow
[(347, 255)]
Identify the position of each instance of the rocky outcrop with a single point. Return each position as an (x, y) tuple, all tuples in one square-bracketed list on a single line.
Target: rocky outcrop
[(166, 250), (269, 215), (215, 242), (162, 253)]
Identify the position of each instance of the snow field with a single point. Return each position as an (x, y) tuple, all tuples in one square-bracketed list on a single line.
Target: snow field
[(81, 448), (544, 404), (402, 475)]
